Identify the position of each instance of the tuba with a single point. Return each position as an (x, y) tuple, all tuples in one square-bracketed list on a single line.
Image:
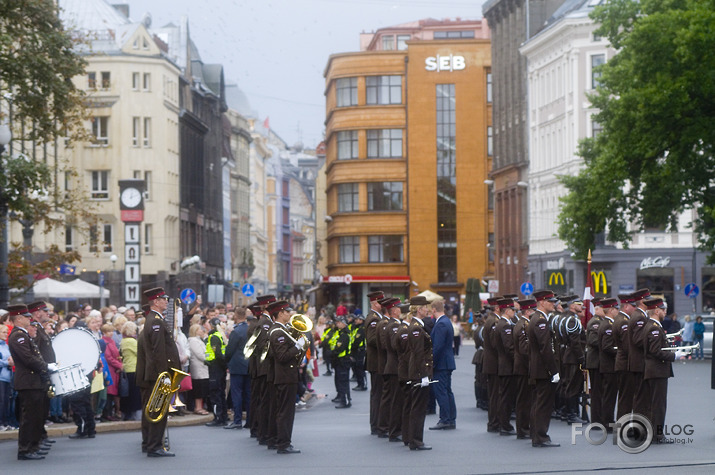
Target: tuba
[(251, 344), (164, 388)]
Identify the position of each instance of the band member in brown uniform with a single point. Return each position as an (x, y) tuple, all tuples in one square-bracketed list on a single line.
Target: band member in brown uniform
[(392, 399), (573, 357), (521, 369), (419, 372), (383, 417), (593, 360), (490, 367), (31, 383), (503, 341), (636, 356), (259, 389), (658, 366), (44, 344), (543, 370), (287, 353), (156, 353), (626, 384), (253, 419), (400, 344), (607, 361), (373, 318)]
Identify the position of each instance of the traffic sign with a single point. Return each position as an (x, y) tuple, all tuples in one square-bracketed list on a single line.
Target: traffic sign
[(527, 288), (493, 287), (188, 296), (692, 290), (248, 290)]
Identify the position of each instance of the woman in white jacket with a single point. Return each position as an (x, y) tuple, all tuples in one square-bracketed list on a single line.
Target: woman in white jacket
[(198, 368)]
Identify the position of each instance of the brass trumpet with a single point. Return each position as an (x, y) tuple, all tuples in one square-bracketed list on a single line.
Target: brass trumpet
[(687, 349), (673, 336), (164, 388), (297, 325)]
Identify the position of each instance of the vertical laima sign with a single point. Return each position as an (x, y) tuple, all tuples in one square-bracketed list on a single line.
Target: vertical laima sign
[(131, 203)]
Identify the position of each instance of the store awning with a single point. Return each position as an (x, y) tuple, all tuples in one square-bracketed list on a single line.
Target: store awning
[(349, 279)]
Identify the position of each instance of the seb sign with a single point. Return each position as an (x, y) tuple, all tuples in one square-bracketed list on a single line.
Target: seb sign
[(445, 63)]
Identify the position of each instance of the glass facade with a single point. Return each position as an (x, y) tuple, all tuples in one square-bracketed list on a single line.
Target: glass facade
[(446, 183)]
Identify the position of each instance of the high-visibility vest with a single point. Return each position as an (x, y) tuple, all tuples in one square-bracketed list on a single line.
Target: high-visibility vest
[(334, 341), (210, 355)]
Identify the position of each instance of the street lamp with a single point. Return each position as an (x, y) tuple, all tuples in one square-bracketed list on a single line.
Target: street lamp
[(5, 138)]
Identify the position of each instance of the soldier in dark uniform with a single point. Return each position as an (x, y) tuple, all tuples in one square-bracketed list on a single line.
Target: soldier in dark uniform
[(286, 356), (31, 383), (371, 357), (263, 326), (156, 353), (44, 344), (503, 341), (490, 367), (626, 384), (593, 360), (253, 419), (383, 418), (521, 369), (340, 348), (607, 362), (480, 382), (419, 372), (573, 358), (392, 397), (543, 370), (357, 349), (658, 366), (400, 344), (636, 355)]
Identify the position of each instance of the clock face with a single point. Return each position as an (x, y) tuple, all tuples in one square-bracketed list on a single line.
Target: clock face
[(131, 197)]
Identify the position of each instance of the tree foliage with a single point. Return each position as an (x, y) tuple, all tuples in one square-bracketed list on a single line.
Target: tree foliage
[(654, 156)]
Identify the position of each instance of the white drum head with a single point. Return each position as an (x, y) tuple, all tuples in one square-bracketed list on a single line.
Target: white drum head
[(76, 346)]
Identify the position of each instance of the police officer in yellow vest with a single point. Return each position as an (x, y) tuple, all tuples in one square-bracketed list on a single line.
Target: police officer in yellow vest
[(216, 361), (340, 347), (358, 350)]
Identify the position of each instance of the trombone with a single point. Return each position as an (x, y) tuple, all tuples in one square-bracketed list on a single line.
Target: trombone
[(687, 349)]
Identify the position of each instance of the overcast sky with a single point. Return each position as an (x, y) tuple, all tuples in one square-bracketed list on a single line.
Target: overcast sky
[(276, 50)]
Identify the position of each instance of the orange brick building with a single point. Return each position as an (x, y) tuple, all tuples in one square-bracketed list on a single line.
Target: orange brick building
[(408, 127)]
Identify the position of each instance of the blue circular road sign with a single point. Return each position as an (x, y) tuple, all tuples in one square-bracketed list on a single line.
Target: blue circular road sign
[(527, 288), (247, 290), (188, 296), (691, 291)]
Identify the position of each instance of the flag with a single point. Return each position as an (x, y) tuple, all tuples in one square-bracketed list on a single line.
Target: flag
[(267, 124), (67, 269)]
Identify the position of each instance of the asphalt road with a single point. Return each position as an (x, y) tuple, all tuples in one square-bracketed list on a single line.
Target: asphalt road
[(338, 442)]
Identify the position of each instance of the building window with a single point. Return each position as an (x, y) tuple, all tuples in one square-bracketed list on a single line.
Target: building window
[(107, 238), (69, 242), (146, 82), (147, 238), (490, 141), (446, 183), (596, 60), (384, 143), (491, 247), (145, 44), (135, 81), (384, 89), (100, 185), (106, 80), (147, 132), (347, 144), (388, 42), (147, 185), (402, 42), (93, 238), (489, 86), (346, 92), (348, 197), (92, 80), (384, 248), (384, 196), (136, 131), (444, 35), (99, 130), (596, 128), (349, 249)]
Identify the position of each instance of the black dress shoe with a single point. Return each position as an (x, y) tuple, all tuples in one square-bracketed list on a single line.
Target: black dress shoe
[(344, 406), (382, 435), (327, 373), (30, 456), (439, 426), (262, 442), (92, 435), (289, 450), (48, 441), (272, 447), (396, 439), (233, 425), (160, 453), (507, 432), (545, 444), (523, 436), (335, 399), (421, 447), (78, 435), (492, 431), (42, 452), (359, 388), (216, 423)]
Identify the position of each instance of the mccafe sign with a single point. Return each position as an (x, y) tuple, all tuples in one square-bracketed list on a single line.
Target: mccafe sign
[(659, 261)]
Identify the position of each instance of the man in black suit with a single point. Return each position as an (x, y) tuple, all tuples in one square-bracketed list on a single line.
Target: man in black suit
[(31, 383), (238, 368), (286, 355), (156, 353)]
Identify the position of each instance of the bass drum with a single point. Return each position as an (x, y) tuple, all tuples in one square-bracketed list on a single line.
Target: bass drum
[(76, 346)]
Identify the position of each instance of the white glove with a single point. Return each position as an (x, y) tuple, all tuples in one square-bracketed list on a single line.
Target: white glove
[(300, 343), (680, 354), (555, 378), (52, 367), (425, 382)]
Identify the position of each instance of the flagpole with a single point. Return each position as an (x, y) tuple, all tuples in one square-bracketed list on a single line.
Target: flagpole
[(587, 294)]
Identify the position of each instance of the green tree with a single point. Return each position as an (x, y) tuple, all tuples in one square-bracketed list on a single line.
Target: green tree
[(654, 156)]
